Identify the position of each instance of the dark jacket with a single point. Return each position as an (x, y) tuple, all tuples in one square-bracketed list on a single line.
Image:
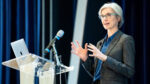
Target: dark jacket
[(119, 65)]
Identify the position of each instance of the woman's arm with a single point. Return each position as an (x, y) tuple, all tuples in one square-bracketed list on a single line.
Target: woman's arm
[(127, 67)]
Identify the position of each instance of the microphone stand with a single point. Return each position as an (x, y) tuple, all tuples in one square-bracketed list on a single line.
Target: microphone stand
[(58, 64), (56, 55)]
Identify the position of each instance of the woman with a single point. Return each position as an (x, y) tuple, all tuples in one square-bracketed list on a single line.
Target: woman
[(114, 55)]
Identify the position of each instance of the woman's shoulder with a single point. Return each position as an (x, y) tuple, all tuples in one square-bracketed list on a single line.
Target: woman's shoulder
[(125, 37)]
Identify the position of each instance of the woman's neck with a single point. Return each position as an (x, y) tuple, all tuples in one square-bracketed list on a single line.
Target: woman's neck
[(110, 32)]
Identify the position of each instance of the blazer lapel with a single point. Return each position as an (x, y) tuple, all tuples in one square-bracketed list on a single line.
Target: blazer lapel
[(99, 47), (114, 42), (101, 44)]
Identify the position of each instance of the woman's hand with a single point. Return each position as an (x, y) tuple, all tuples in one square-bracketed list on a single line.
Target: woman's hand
[(79, 51), (96, 52)]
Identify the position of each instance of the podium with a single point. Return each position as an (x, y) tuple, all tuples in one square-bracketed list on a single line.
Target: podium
[(32, 66)]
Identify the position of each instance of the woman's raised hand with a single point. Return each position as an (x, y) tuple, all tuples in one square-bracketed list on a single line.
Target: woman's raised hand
[(96, 52), (79, 51)]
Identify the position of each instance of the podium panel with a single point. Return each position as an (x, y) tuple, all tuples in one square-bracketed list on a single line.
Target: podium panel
[(31, 66)]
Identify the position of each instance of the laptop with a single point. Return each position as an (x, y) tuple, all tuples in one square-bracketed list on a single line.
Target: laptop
[(19, 48)]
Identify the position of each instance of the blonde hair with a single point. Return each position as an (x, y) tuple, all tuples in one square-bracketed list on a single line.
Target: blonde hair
[(116, 8)]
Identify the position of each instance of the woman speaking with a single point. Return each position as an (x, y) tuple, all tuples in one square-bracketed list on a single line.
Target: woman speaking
[(114, 55)]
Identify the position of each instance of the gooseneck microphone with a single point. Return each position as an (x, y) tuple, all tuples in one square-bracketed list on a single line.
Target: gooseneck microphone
[(59, 34)]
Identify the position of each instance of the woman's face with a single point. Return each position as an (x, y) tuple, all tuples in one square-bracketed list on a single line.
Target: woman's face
[(109, 18)]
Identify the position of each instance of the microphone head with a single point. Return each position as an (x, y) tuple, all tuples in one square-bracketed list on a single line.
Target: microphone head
[(60, 33)]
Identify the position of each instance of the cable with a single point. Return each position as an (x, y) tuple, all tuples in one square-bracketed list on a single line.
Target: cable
[(87, 71)]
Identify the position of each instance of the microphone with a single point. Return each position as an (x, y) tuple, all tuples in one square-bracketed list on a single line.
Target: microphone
[(59, 34)]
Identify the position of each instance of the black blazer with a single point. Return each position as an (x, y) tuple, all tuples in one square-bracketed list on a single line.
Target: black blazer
[(119, 65)]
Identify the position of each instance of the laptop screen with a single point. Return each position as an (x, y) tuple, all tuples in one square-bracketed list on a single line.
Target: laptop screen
[(19, 48)]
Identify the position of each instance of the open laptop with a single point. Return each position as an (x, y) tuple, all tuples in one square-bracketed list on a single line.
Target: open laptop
[(19, 48)]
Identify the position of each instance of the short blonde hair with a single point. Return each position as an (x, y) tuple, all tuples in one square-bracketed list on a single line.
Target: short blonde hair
[(116, 8)]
